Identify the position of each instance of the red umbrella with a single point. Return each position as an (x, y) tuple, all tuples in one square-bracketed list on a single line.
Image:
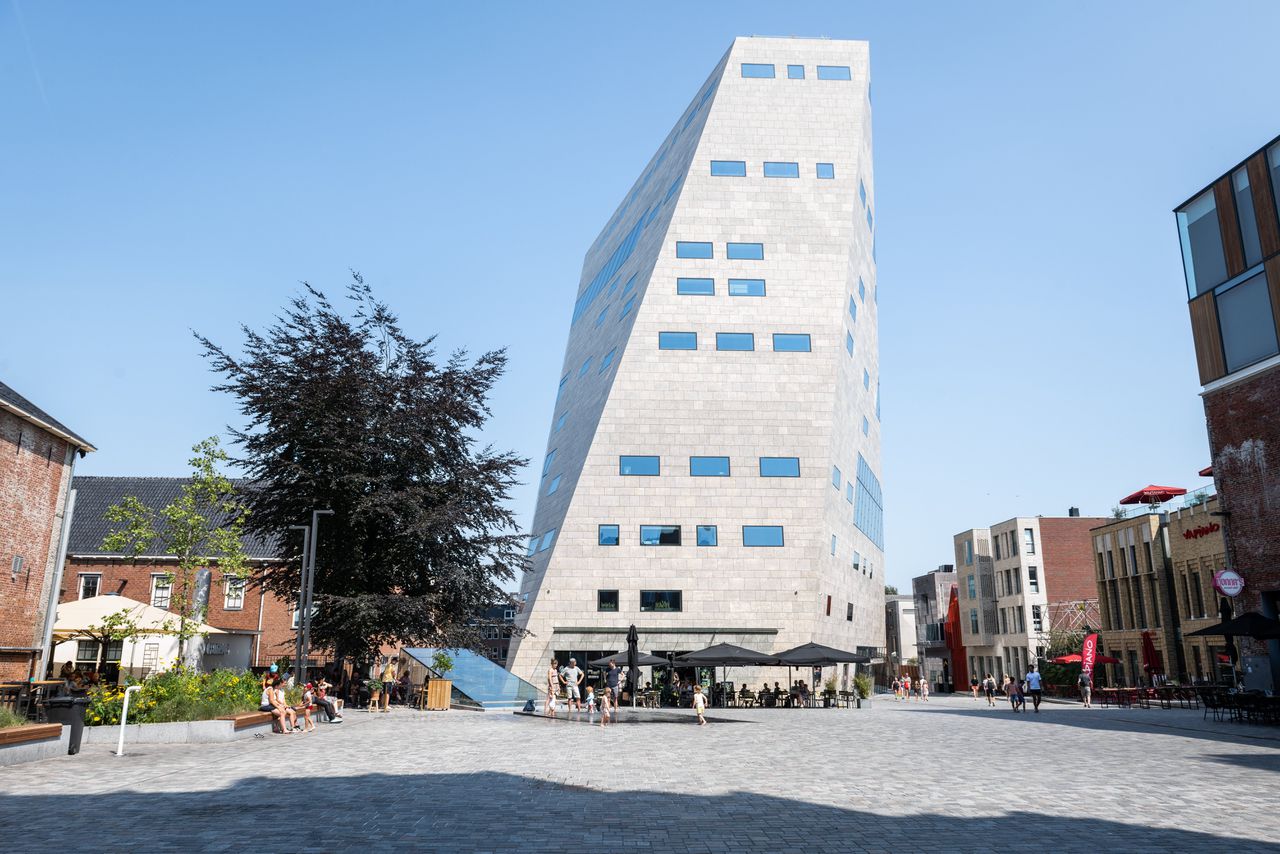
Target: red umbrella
[(1075, 658), (1153, 495), (1152, 662), (1207, 471)]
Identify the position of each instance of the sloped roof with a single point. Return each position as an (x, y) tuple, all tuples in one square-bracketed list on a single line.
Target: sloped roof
[(94, 495), (19, 405)]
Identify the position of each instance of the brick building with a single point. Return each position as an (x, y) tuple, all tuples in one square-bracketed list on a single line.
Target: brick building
[(1230, 236), (37, 457), (262, 626), (495, 630), (1197, 550)]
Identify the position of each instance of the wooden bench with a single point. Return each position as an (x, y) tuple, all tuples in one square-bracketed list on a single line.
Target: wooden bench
[(32, 732), (248, 719)]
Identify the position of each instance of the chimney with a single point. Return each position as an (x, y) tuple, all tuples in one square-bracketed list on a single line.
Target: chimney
[(1073, 512)]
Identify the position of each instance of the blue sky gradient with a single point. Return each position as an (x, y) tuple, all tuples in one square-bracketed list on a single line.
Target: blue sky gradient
[(168, 167)]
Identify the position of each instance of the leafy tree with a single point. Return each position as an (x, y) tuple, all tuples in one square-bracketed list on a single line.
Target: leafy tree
[(114, 627), (201, 528), (351, 414), (890, 590), (1061, 642)]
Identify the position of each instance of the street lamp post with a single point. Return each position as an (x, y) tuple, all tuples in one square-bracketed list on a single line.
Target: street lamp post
[(309, 578), (302, 592)]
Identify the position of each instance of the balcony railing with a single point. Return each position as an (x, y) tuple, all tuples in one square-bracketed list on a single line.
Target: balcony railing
[(1191, 499)]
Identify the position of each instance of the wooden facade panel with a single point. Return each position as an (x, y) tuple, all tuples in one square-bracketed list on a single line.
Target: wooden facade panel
[(1273, 284), (1264, 204), (1208, 338), (1229, 225)]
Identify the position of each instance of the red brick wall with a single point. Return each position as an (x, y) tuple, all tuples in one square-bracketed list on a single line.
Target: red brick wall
[(1244, 439), (33, 474), (1066, 547)]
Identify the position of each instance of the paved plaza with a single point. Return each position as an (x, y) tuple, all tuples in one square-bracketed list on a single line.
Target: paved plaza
[(950, 776)]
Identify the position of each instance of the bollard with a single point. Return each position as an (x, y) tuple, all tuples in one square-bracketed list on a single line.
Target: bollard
[(124, 717)]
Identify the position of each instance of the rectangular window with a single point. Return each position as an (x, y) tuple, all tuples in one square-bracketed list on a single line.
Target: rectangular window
[(554, 485), (735, 341), (848, 612), (659, 535), (586, 366), (795, 72), (857, 561), (607, 600), (1203, 260), (833, 544), (633, 465), (729, 168), (607, 360), (1248, 328), (848, 343), (1198, 592), (1028, 541), (744, 251), (746, 287), (1037, 620), (781, 170), (968, 556), (547, 539), (690, 249), (836, 477), (161, 590), (833, 72), (696, 287), (757, 69), (779, 466), (660, 600), (972, 587), (677, 341), (708, 536), (89, 585), (788, 342), (762, 536), (626, 307), (973, 620), (826, 170), (1033, 579), (853, 309), (233, 594), (608, 535), (708, 466), (1248, 220)]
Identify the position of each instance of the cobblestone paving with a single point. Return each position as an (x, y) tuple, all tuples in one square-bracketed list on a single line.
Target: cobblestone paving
[(950, 776)]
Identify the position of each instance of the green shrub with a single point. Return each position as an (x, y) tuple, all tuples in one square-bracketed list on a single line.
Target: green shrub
[(863, 683), (177, 695), (8, 717)]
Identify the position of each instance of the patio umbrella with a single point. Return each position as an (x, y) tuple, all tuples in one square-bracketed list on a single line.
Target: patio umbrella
[(727, 655), (1249, 624), (633, 652), (817, 655), (1153, 494), (1075, 658), (1151, 659), (643, 659)]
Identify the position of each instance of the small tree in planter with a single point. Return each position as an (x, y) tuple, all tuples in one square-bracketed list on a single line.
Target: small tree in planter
[(862, 683), (440, 690)]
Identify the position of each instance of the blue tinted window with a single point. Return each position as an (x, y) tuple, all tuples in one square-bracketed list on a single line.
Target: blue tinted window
[(709, 466), (779, 466), (835, 477), (833, 72), (833, 543), (696, 287), (560, 422), (745, 252), (866, 379), (586, 366), (826, 170), (604, 312), (853, 310), (735, 341), (626, 308), (708, 536), (608, 535), (677, 341), (862, 192), (790, 342), (631, 283), (546, 464), (862, 290), (848, 343), (659, 535), (795, 72), (848, 492), (613, 286), (761, 535), (866, 425), (871, 222), (547, 539), (690, 249), (660, 600), (746, 287), (554, 485), (729, 168), (533, 545), (868, 513), (638, 465), (782, 170), (757, 69), (607, 360)]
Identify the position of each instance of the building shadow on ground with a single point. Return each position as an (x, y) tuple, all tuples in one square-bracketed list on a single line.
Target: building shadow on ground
[(502, 812), (1256, 761)]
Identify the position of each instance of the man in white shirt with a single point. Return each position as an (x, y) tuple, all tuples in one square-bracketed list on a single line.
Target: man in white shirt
[(572, 677), (1033, 687)]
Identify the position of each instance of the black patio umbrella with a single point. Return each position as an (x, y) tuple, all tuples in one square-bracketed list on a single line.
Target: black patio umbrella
[(633, 662), (818, 655), (1250, 624), (727, 655), (643, 659)]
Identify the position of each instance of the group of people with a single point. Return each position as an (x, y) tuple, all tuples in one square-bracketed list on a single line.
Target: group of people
[(570, 679), (904, 685), (1015, 690), (315, 695), (76, 681)]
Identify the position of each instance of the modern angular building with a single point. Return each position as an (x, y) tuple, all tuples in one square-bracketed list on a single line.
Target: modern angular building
[(712, 472)]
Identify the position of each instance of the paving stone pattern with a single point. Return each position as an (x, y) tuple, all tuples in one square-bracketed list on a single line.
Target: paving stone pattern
[(950, 776)]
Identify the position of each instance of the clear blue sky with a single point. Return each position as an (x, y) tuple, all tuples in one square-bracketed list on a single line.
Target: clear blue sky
[(169, 166)]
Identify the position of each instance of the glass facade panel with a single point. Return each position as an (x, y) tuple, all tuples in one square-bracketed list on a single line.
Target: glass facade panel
[(757, 69), (693, 249), (631, 465), (746, 287), (762, 536), (659, 535), (554, 485), (735, 341), (744, 252), (790, 342), (547, 539), (868, 510), (696, 287), (604, 312), (729, 168), (1247, 217), (607, 360), (1202, 256), (708, 536), (1248, 328), (608, 535), (660, 600), (546, 463), (795, 72), (1273, 165), (853, 309), (586, 366), (781, 170), (833, 72), (709, 466), (779, 466), (826, 170), (848, 343), (677, 341), (836, 478), (626, 308)]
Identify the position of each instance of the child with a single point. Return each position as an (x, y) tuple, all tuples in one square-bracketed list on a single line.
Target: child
[(591, 699), (699, 704), (308, 700), (606, 705)]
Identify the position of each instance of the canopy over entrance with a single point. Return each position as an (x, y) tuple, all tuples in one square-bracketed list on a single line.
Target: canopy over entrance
[(75, 618)]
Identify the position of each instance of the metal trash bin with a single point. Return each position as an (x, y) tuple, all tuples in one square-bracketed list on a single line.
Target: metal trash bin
[(68, 711)]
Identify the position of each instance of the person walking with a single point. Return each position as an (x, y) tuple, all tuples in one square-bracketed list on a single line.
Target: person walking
[(906, 688), (989, 688), (1086, 689), (572, 677), (700, 704), (612, 681), (1034, 687), (924, 690), (973, 686), (897, 688), (553, 688), (389, 681), (1013, 691)]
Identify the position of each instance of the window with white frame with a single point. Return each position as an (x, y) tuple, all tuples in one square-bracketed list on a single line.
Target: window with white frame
[(161, 590), (234, 594), (90, 584)]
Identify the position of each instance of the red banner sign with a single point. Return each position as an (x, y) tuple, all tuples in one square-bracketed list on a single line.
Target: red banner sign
[(1089, 653), (1202, 531)]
